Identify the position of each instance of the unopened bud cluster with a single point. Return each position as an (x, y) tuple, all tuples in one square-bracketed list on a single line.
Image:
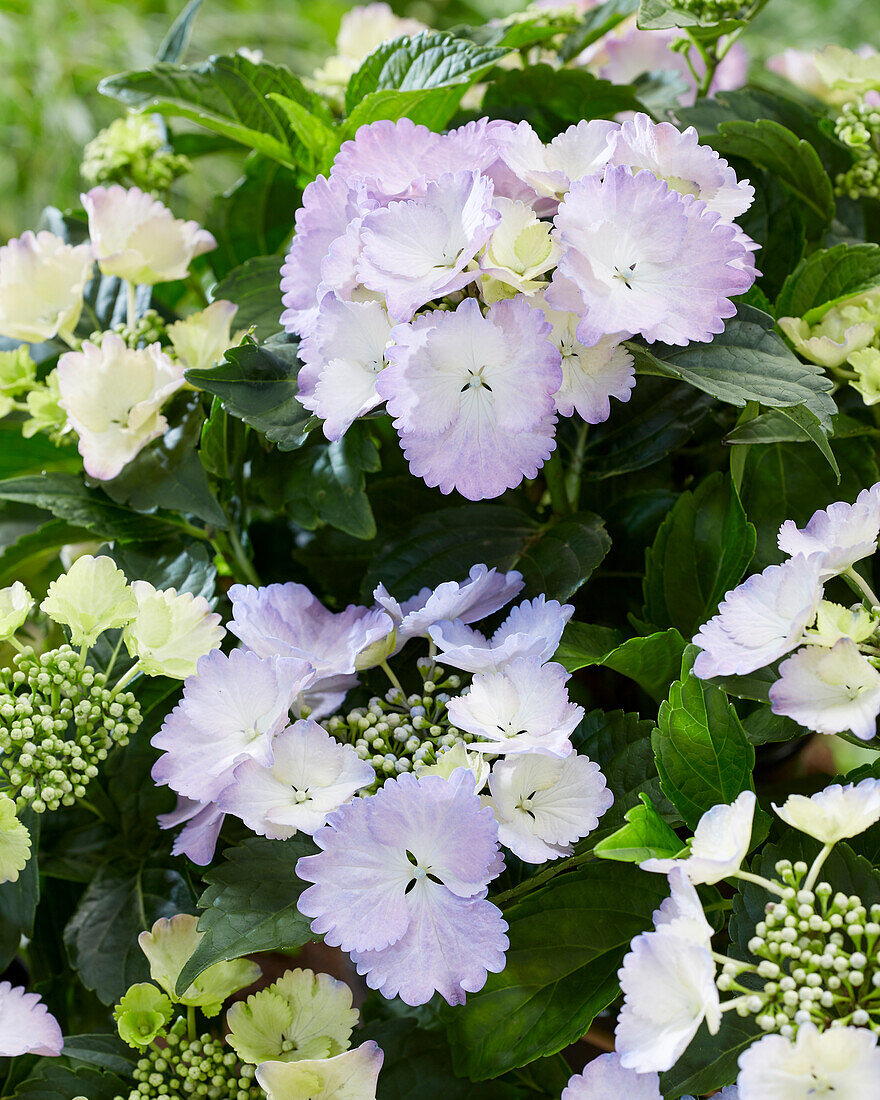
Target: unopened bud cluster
[(149, 328), (204, 1067), (858, 127), (715, 11), (818, 952), (58, 721), (399, 732), (132, 152)]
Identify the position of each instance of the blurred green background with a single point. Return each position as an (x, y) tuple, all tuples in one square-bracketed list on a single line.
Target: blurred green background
[(56, 51)]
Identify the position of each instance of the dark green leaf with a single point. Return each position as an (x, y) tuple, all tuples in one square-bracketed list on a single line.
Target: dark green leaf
[(656, 15), (710, 1061), (54, 1081), (645, 836), (327, 483), (652, 661), (597, 22), (763, 727), (188, 568), (20, 457), (36, 549), (827, 276), (564, 556), (255, 287), (251, 904), (251, 221), (104, 1051), (177, 39), (19, 899), (585, 644)]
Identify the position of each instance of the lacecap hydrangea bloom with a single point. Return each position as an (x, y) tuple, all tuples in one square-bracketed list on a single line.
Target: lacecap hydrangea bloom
[(42, 279), (26, 1025), (480, 282)]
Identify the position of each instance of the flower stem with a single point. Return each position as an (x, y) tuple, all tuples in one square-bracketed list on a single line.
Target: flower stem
[(759, 880), (862, 586), (507, 897), (554, 478), (810, 880), (130, 305), (392, 676), (126, 678), (191, 1022)]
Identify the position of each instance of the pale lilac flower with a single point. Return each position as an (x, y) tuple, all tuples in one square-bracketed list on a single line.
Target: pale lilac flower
[(482, 594), (472, 396), (836, 813), (532, 629), (42, 279), (420, 249), (231, 709), (841, 534), (201, 822), (543, 804), (309, 774), (26, 1025), (842, 1061), (761, 620), (647, 260), (677, 157), (829, 690), (525, 708), (605, 1077), (719, 845), (341, 361), (400, 883)]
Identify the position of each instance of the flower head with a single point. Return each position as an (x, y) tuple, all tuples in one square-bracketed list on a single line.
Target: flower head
[(91, 597), (605, 1077), (15, 606), (142, 1014), (472, 396), (719, 845), (833, 622), (348, 1076), (200, 340), (840, 534), (524, 708), (829, 690), (836, 813), (42, 279), (842, 1061), (400, 883), (137, 238), (15, 843), (520, 250), (866, 364), (168, 946), (761, 620), (171, 631), (112, 395), (201, 822), (681, 914), (843, 331), (26, 1026)]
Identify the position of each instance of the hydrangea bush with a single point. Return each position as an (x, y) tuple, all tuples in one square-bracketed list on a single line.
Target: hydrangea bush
[(439, 641)]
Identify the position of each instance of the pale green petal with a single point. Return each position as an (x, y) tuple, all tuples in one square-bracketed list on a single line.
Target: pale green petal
[(171, 632), (15, 842), (15, 605), (348, 1076), (91, 597), (257, 1027), (142, 1014)]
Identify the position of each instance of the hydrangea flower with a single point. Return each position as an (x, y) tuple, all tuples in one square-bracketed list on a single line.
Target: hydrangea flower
[(834, 622), (91, 597), (301, 1015), (308, 775), (719, 845), (647, 260), (15, 843), (112, 395), (472, 396), (458, 756), (341, 360), (681, 914), (761, 620), (400, 884), (168, 946), (200, 340), (605, 1077), (142, 1014), (201, 821), (543, 804), (829, 690), (171, 631), (361, 30), (844, 330), (42, 279), (840, 534), (524, 708), (842, 1061), (231, 709), (836, 813), (349, 1076), (520, 250), (532, 629), (417, 250), (26, 1026), (137, 238), (866, 364), (15, 606)]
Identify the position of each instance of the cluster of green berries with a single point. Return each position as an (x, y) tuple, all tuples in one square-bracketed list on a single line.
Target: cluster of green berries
[(58, 721), (819, 964), (132, 152), (400, 732), (715, 11), (858, 127), (149, 328), (203, 1067)]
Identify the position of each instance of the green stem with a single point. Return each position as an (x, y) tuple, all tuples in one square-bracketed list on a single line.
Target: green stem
[(16, 644), (191, 1022), (130, 305), (810, 880), (113, 657), (239, 557), (575, 469), (554, 476), (126, 679), (540, 879), (759, 880), (389, 672), (862, 586)]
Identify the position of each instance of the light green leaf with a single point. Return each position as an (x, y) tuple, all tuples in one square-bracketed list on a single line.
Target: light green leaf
[(828, 276), (645, 836)]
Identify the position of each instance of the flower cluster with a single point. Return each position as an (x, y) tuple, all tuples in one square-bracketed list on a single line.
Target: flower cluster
[(831, 684), (132, 152), (811, 985), (480, 282)]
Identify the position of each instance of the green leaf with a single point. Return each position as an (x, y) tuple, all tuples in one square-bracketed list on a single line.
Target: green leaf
[(793, 161), (585, 644), (645, 836), (258, 385), (702, 753), (710, 1061), (656, 15), (37, 548), (123, 900), (103, 1051), (595, 24), (255, 287), (53, 1081), (250, 904), (426, 60), (652, 661), (564, 556), (327, 483), (227, 95), (567, 941), (553, 99), (431, 107), (19, 899), (175, 42), (20, 457), (827, 276), (320, 138), (746, 362), (187, 568), (702, 549)]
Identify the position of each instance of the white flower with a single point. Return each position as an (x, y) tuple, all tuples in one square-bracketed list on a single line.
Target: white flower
[(840, 534), (42, 279), (91, 597), (26, 1027), (137, 238), (842, 1062), (831, 342), (866, 364), (834, 622), (348, 1076), (719, 844), (829, 690), (458, 756), (847, 70), (171, 631), (525, 708), (669, 989), (543, 804), (112, 395), (310, 775), (15, 606), (362, 29), (582, 150), (521, 249), (681, 914), (836, 813), (761, 620), (201, 339)]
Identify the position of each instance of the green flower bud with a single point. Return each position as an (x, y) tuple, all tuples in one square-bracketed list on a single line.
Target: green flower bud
[(142, 1014)]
